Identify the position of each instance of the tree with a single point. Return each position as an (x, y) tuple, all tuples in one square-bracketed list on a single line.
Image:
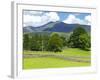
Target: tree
[(79, 38), (55, 43), (84, 41), (45, 39), (36, 42), (26, 42), (64, 40)]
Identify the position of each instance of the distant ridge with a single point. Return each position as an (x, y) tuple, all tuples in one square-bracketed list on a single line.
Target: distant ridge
[(56, 27)]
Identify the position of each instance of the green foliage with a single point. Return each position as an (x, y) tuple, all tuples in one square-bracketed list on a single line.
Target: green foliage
[(26, 42), (35, 41), (44, 42), (64, 41), (79, 39), (55, 43), (39, 42), (84, 41)]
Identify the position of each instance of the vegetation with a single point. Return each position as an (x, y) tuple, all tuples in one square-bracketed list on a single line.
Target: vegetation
[(66, 52), (26, 42), (30, 63), (79, 39), (55, 43), (74, 47), (51, 62)]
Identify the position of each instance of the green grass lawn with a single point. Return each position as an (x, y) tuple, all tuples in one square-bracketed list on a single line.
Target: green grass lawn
[(50, 62), (30, 63)]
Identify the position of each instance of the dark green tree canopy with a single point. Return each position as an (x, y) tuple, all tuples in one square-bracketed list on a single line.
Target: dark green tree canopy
[(55, 42), (26, 42), (79, 38)]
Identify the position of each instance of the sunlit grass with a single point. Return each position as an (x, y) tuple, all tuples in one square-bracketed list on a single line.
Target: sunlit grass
[(51, 62), (31, 63), (66, 51)]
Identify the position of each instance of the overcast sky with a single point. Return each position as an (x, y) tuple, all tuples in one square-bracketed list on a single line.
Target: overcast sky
[(39, 18)]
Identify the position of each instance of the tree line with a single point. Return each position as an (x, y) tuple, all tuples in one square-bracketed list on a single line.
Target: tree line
[(55, 42)]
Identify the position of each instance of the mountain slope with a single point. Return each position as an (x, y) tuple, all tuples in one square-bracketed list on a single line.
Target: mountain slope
[(38, 29), (55, 27), (62, 27)]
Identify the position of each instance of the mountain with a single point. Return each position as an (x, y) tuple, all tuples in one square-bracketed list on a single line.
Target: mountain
[(56, 27), (63, 27), (38, 29)]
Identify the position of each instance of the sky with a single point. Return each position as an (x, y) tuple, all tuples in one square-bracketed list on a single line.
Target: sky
[(39, 18)]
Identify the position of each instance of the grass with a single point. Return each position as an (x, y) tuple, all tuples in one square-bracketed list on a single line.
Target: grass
[(76, 52), (66, 51), (30, 63), (50, 62)]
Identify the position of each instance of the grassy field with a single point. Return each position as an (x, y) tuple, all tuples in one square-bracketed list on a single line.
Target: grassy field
[(51, 62)]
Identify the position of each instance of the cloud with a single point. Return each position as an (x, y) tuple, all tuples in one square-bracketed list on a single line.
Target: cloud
[(31, 20), (29, 12), (39, 18), (72, 19), (88, 19), (53, 16)]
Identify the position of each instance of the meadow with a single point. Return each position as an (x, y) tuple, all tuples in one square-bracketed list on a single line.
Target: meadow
[(69, 57)]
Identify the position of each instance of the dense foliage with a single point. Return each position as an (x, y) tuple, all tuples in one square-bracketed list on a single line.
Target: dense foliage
[(55, 43), (26, 42), (79, 38)]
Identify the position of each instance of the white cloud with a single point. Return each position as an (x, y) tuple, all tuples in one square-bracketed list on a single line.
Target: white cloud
[(35, 18), (31, 20), (88, 19), (72, 19), (53, 16), (39, 18)]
